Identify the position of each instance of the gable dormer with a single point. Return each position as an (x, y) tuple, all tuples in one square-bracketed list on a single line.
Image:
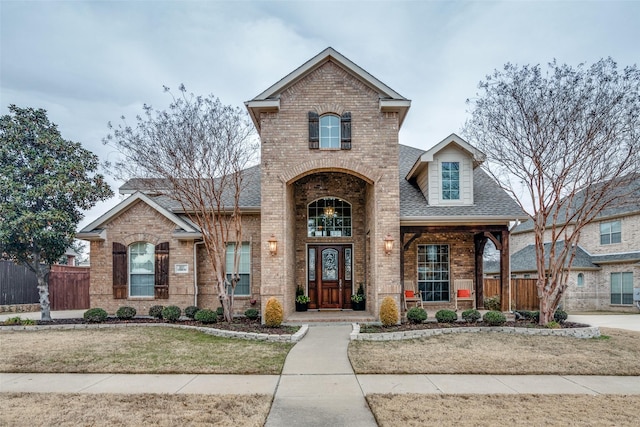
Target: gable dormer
[(444, 173)]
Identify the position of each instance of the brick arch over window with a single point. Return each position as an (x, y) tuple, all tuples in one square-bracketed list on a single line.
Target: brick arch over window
[(347, 166), (140, 237)]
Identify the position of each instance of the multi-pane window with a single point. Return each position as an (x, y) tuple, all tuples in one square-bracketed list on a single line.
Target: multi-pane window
[(433, 272), (243, 287), (141, 269), (610, 232), (622, 288), (450, 181), (330, 132), (329, 217)]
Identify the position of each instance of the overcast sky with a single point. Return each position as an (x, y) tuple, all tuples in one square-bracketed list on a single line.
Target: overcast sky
[(90, 62)]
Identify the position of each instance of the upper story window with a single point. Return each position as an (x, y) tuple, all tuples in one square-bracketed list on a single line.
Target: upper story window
[(329, 217), (450, 180), (141, 269), (330, 132), (610, 232)]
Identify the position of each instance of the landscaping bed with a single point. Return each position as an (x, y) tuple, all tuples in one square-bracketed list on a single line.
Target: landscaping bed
[(432, 324)]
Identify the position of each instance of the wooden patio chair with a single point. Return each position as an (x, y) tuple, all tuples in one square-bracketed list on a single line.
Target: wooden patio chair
[(412, 296), (463, 291)]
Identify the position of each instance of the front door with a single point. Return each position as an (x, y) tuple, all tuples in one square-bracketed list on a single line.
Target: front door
[(330, 276)]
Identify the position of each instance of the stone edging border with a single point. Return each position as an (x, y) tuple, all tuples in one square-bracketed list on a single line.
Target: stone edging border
[(588, 332), (211, 331)]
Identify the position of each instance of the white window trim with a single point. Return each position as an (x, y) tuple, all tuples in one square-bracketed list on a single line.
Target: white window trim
[(129, 273), (320, 146), (248, 273)]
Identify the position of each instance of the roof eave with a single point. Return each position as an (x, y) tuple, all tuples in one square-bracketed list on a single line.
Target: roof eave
[(400, 106), (92, 236), (456, 220)]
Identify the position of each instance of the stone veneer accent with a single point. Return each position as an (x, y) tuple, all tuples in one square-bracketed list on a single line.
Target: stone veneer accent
[(588, 332)]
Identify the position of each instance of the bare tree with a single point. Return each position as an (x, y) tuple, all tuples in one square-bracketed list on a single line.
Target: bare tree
[(565, 144), (195, 153)]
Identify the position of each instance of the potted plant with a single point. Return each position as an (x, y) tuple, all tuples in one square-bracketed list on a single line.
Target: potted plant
[(358, 300), (302, 301)]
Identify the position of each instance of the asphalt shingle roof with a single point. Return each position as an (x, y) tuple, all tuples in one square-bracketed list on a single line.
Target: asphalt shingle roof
[(489, 199)]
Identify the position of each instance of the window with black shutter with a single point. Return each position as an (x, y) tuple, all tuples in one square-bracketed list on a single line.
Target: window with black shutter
[(330, 131), (345, 134)]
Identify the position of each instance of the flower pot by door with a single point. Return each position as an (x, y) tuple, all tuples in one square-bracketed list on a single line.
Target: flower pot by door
[(358, 306), (301, 306)]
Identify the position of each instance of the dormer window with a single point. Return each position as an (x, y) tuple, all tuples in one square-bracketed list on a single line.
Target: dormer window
[(450, 181), (329, 131)]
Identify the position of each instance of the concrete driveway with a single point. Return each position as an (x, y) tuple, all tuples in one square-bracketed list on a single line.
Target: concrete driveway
[(628, 321)]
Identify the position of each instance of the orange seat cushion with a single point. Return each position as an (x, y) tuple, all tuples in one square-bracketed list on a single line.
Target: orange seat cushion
[(409, 294), (464, 293)]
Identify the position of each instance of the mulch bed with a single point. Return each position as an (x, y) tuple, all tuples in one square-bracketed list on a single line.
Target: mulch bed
[(238, 325), (435, 325)]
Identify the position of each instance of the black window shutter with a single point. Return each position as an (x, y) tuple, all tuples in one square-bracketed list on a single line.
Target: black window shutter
[(119, 253), (314, 130), (345, 134), (161, 288)]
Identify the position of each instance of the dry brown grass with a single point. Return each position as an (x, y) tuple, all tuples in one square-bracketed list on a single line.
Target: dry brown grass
[(24, 409), (511, 410), (155, 350), (496, 353)]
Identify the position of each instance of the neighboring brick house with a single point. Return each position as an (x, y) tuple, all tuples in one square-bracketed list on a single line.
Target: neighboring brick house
[(606, 268), (345, 203)]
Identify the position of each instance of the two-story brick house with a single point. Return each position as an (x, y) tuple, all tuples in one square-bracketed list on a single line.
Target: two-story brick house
[(341, 200), (606, 268)]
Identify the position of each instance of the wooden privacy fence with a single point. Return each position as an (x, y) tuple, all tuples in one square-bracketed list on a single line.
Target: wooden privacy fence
[(18, 284), (69, 287), (524, 294)]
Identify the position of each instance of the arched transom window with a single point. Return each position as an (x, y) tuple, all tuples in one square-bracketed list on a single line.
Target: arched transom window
[(329, 217)]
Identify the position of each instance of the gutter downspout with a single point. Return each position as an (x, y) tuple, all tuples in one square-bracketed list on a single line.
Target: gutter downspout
[(195, 272)]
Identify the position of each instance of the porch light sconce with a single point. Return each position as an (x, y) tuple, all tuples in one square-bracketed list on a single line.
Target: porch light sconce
[(388, 244), (273, 245)]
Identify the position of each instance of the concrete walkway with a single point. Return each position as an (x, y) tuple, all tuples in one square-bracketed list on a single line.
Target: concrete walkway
[(318, 386)]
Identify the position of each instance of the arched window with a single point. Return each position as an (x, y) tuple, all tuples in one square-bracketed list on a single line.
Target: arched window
[(330, 132), (329, 216), (580, 280), (141, 269)]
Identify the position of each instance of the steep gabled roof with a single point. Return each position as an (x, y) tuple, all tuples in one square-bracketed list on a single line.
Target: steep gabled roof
[(453, 139), (491, 203), (95, 230), (269, 100)]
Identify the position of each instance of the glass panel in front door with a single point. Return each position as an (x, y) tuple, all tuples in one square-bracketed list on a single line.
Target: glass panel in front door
[(329, 264)]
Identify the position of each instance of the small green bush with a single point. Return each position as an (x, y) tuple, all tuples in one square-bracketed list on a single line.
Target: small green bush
[(492, 303), (416, 315), (446, 316), (252, 314), (553, 325), (494, 318), (560, 316), (95, 315), (220, 311), (171, 313), (13, 321), (191, 311), (471, 315), (156, 311), (535, 316), (125, 313), (525, 314), (206, 316)]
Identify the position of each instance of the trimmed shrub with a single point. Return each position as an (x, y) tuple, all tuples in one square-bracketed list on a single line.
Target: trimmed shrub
[(446, 316), (471, 315), (494, 318), (156, 311), (535, 316), (220, 311), (206, 316), (95, 315), (191, 311), (389, 314), (273, 313), (125, 313), (171, 313), (553, 325), (492, 303), (416, 315), (252, 314), (560, 316)]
